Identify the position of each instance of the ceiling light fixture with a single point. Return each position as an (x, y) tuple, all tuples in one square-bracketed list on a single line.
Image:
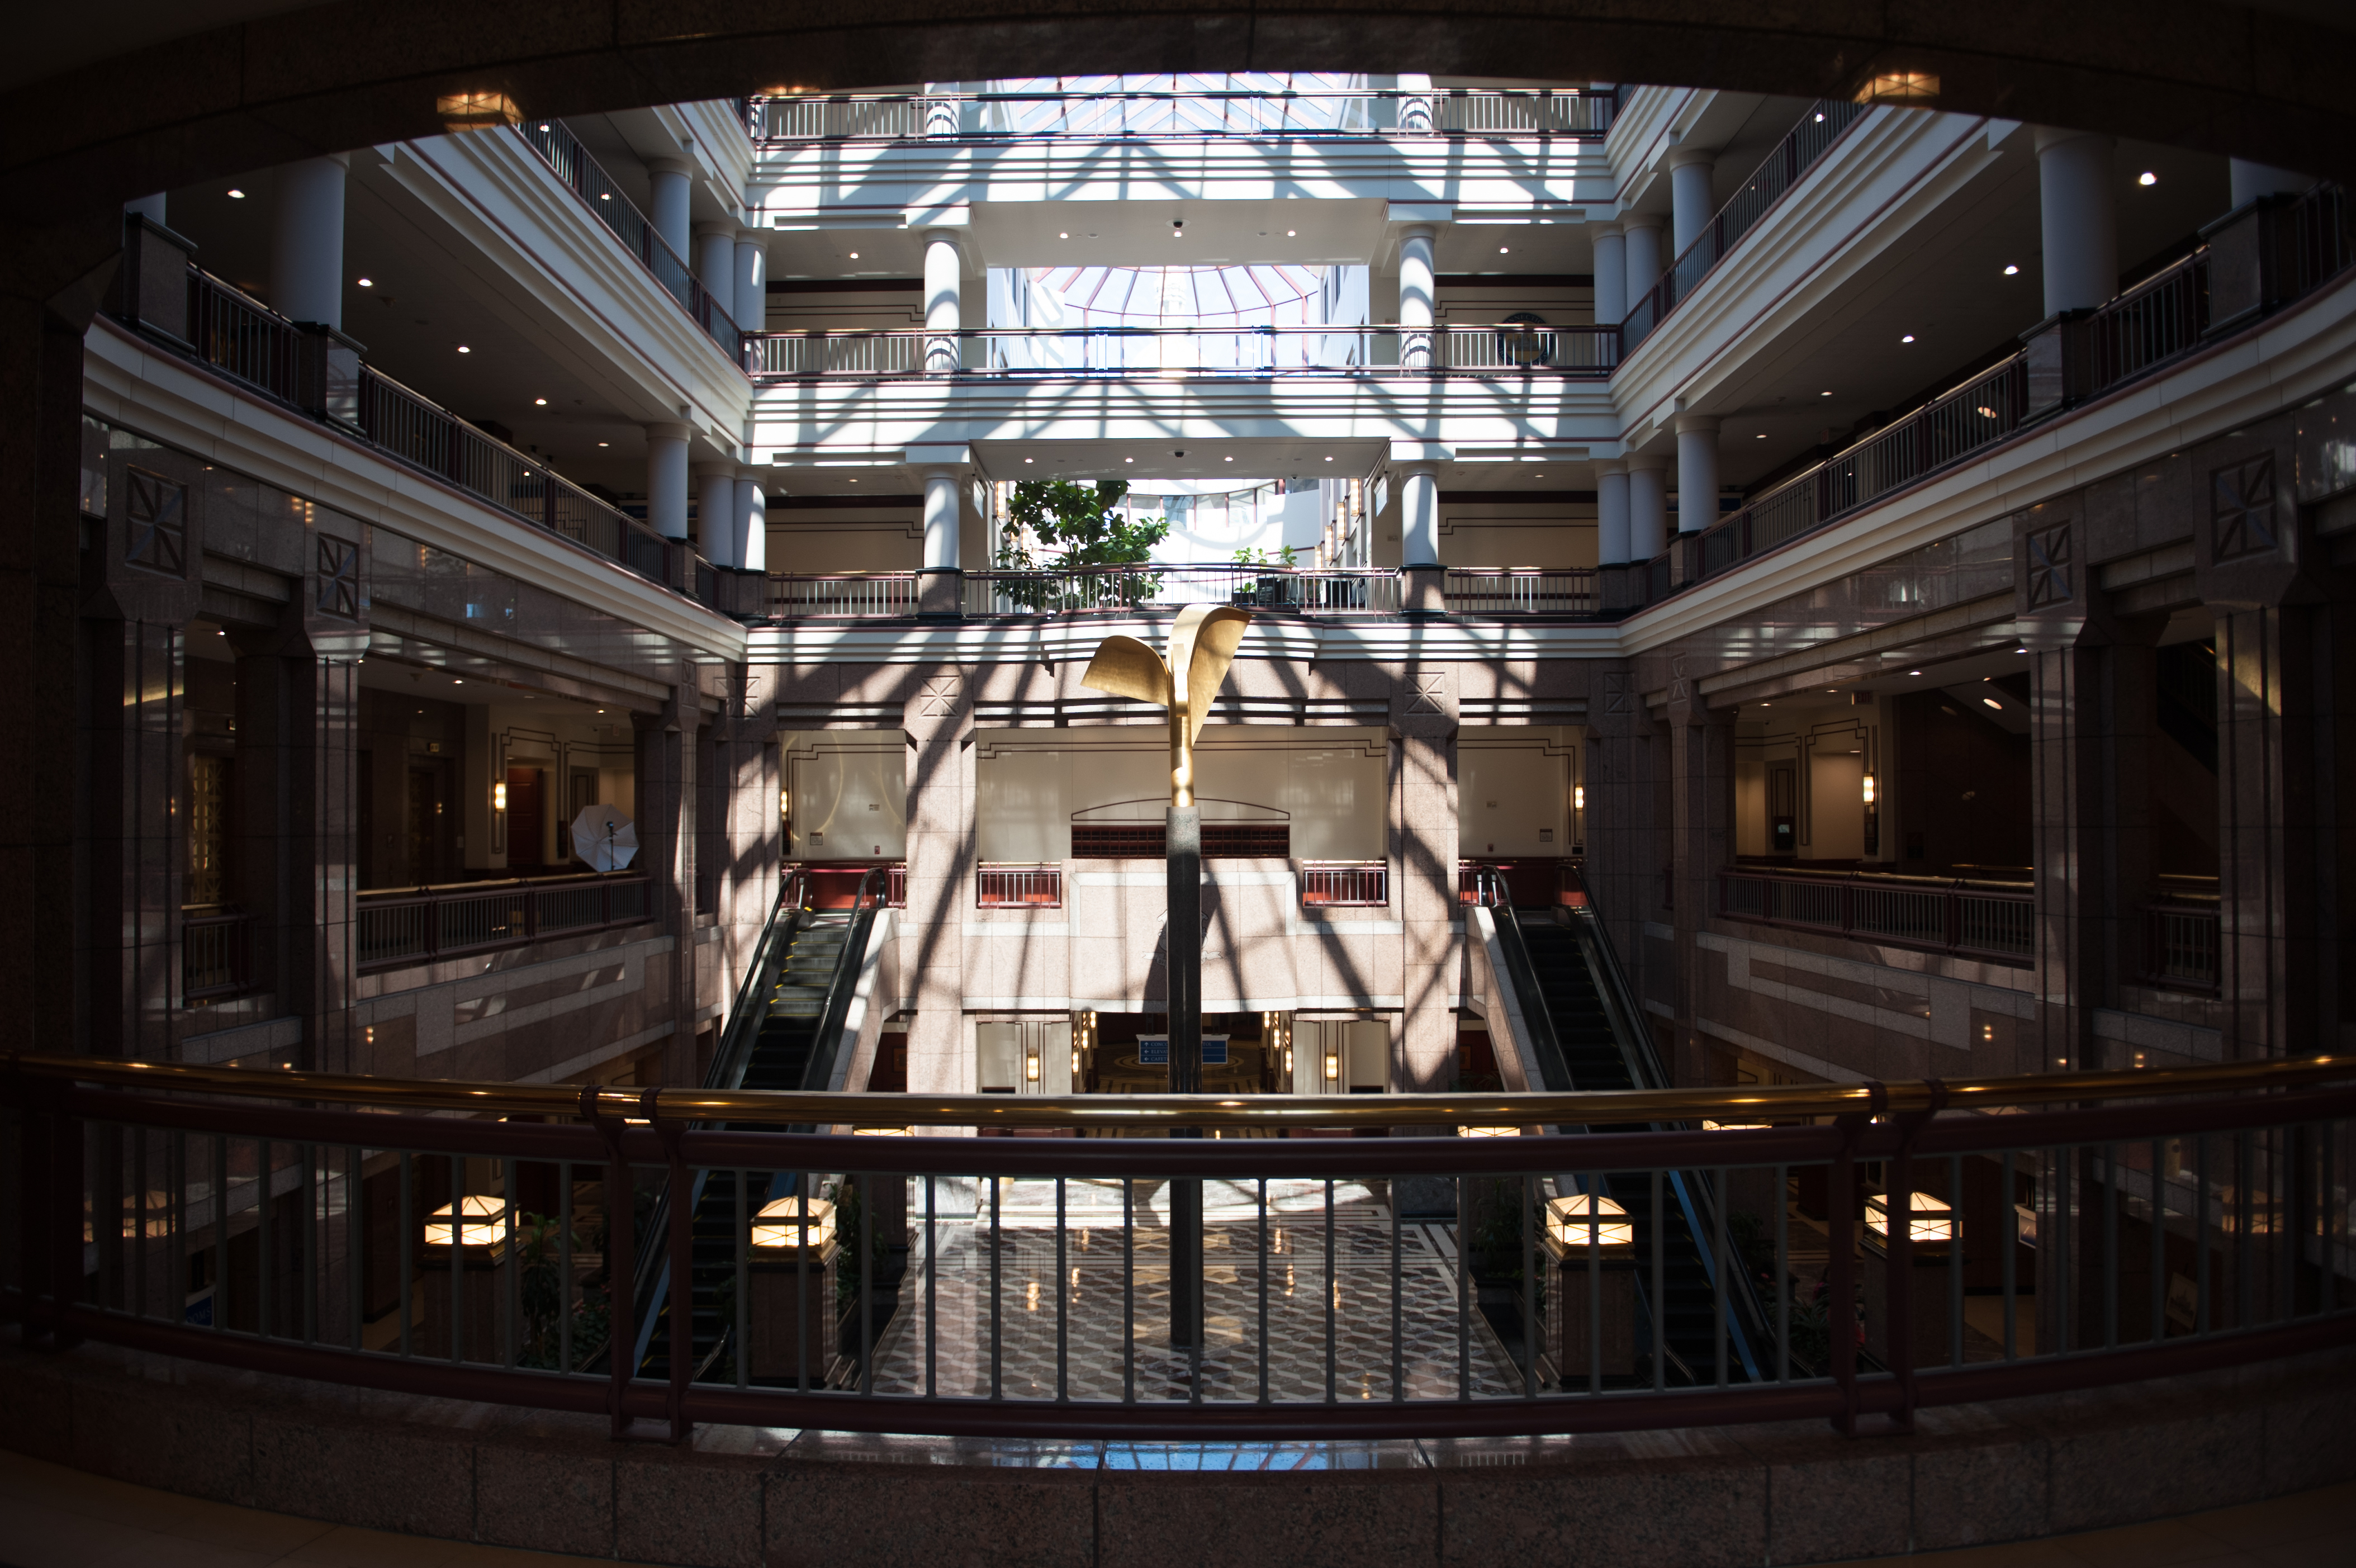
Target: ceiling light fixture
[(236, 195), (2011, 270), (1292, 233), (1824, 394), (854, 255), (604, 443), (1992, 702), (464, 350), (539, 403), (1760, 436), (1329, 459), (1065, 234), (366, 283), (1128, 460), (1913, 672), (1505, 249), (1908, 339), (1030, 459), (2147, 178)]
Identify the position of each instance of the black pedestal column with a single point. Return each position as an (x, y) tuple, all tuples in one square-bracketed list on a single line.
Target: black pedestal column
[(1185, 948)]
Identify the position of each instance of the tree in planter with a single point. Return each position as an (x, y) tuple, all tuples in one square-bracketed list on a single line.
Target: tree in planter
[(1077, 525)]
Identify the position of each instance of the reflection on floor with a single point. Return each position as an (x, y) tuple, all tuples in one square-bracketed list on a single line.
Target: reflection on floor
[(1380, 1340)]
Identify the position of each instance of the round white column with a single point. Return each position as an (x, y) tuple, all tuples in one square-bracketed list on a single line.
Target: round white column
[(668, 177), (1697, 473), (306, 241), (2250, 181), (942, 534), (1419, 518), (752, 522), (1648, 507), (943, 275), (752, 310), (715, 265), (1691, 204), (715, 512), (1610, 276), (1611, 514), (1418, 293), (2081, 224), (151, 208), (666, 478), (1644, 256)]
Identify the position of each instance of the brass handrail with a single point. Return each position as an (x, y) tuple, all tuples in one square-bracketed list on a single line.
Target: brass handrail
[(1133, 1113)]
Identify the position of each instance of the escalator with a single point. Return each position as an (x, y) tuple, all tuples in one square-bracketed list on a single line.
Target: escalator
[(785, 1032), (1587, 1034)]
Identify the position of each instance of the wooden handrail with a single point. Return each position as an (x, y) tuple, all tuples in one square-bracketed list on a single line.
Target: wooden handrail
[(1608, 1108)]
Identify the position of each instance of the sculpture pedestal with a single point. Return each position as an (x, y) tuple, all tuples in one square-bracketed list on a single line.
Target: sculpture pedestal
[(1590, 1328), (792, 1315)]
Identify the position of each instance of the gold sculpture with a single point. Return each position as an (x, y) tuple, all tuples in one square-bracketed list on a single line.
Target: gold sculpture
[(1202, 645)]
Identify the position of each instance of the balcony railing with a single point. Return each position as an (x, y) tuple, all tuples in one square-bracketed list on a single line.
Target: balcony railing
[(2252, 262), (1019, 886), (1179, 352), (2183, 943), (572, 163), (1344, 885), (1519, 591), (216, 954), (442, 1255), (1970, 920), (1008, 116), (1128, 590), (844, 595), (430, 923), (319, 372), (1805, 146)]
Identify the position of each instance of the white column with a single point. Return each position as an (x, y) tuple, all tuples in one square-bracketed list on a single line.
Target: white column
[(1644, 252), (1611, 514), (752, 522), (942, 277), (1691, 204), (941, 522), (752, 311), (715, 512), (2250, 182), (666, 478), (1697, 473), (1648, 507), (715, 265), (1417, 295), (306, 241), (1419, 518), (1610, 276), (2081, 224), (668, 177), (151, 208)]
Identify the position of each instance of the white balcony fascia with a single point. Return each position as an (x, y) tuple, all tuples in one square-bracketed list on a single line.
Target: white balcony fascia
[(1063, 639), (568, 281), (1642, 130), (164, 398), (831, 181), (822, 419), (1894, 171), (2300, 354), (720, 143)]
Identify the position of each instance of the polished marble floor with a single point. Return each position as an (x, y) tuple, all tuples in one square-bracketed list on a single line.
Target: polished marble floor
[(1058, 1324)]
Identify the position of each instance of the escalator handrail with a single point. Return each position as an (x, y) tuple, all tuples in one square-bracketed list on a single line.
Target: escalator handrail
[(744, 1014), (654, 1262)]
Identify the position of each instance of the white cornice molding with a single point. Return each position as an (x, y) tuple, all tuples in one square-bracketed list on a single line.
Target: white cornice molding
[(163, 397), (2299, 354), (565, 268)]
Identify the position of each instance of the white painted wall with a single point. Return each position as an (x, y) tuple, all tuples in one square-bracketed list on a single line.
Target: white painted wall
[(850, 796)]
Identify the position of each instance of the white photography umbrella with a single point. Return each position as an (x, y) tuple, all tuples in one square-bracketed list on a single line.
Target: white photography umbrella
[(602, 836)]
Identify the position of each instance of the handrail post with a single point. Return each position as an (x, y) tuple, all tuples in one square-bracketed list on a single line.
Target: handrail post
[(621, 1335), (1840, 1266), (680, 1189)]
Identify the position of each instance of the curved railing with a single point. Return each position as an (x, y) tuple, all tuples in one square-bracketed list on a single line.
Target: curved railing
[(786, 121), (1570, 350), (301, 1224)]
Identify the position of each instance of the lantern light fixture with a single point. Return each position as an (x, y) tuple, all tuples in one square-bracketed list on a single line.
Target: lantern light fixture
[(480, 1220), (1581, 1220), (780, 1227), (1933, 1221)]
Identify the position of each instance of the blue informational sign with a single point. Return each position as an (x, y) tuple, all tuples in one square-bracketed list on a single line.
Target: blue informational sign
[(1154, 1050)]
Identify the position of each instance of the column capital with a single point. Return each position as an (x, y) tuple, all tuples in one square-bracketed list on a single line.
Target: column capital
[(1643, 463), (1612, 231), (1683, 157), (1419, 232), (670, 429), (2044, 136), (1644, 220), (1696, 423), (1611, 466)]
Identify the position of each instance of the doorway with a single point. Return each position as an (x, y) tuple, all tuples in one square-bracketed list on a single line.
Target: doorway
[(524, 825)]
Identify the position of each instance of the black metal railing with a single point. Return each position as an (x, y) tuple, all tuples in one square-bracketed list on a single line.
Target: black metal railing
[(788, 121), (428, 923), (1574, 351), (216, 953), (1973, 919)]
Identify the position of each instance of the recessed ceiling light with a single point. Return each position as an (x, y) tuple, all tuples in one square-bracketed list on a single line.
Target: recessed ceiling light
[(1908, 339), (1824, 394), (2011, 270), (1128, 460), (1505, 249), (854, 481), (1030, 459), (1291, 234), (366, 283), (1820, 119), (602, 444), (854, 255), (1913, 672), (2021, 651), (1329, 459), (1227, 459), (2147, 178), (539, 403), (236, 195), (604, 196), (1992, 702), (464, 350), (1064, 234), (1760, 436)]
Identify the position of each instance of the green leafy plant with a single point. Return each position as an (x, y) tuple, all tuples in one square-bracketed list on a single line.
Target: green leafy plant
[(541, 1287), (1250, 557), (1057, 525)]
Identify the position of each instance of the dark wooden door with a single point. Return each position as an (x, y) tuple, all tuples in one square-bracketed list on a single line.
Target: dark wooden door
[(524, 818)]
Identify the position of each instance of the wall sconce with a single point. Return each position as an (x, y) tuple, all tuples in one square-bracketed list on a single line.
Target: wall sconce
[(1869, 788), (1076, 1061), (1579, 797), (785, 802), (1031, 1067), (778, 1226), (1333, 1066), (500, 795)]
